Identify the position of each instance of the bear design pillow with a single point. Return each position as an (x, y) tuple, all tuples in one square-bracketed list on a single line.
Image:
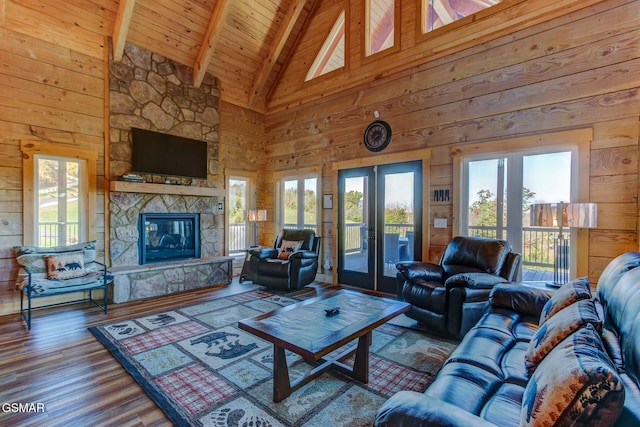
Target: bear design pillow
[(66, 265)]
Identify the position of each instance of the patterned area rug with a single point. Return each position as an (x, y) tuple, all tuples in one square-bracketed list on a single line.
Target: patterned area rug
[(201, 370)]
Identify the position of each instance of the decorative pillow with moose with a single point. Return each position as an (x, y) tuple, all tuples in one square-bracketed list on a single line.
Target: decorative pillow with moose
[(287, 247), (65, 265)]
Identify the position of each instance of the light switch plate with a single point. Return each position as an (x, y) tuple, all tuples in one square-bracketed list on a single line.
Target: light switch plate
[(440, 223)]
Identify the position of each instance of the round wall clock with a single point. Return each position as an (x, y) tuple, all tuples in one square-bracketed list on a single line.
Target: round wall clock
[(377, 135)]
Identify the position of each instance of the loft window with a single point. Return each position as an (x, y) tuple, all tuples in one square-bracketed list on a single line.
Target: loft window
[(438, 13), (380, 25), (331, 54)]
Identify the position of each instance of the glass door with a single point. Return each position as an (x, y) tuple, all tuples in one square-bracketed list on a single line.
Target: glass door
[(379, 223), (356, 225), (399, 220)]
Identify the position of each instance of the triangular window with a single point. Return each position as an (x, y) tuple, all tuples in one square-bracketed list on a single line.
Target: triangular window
[(438, 13), (331, 55)]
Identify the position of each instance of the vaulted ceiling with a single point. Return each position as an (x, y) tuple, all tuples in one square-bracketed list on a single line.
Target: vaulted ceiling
[(242, 42), (245, 43)]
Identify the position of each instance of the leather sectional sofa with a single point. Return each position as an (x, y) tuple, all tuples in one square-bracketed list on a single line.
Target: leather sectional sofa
[(540, 358)]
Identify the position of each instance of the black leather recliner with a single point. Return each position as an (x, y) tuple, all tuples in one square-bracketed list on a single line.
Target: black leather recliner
[(450, 297), (297, 271)]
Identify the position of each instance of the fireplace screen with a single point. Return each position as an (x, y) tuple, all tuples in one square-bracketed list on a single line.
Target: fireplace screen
[(169, 237)]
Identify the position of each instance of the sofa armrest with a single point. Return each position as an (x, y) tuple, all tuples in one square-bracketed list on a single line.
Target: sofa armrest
[(412, 409), (421, 270), (520, 298), (473, 280)]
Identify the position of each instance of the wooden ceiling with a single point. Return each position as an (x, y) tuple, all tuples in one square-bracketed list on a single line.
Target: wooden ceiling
[(247, 44), (244, 43)]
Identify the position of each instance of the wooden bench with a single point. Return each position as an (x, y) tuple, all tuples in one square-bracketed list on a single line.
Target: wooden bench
[(60, 270)]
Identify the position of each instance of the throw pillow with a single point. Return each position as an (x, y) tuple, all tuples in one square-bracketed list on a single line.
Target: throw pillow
[(576, 384), (558, 327), (65, 265), (287, 247), (566, 295)]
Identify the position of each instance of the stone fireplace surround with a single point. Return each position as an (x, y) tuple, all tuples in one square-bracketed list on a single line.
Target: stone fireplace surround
[(133, 281), (149, 91)]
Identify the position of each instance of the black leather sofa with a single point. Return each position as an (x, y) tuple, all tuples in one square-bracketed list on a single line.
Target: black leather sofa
[(449, 297), (296, 271), (485, 382)]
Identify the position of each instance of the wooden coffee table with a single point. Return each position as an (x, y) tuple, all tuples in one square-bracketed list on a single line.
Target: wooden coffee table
[(305, 329)]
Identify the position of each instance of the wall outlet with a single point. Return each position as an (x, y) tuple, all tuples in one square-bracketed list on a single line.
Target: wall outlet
[(440, 223)]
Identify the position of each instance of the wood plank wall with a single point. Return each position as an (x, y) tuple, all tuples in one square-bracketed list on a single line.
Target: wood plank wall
[(242, 147), (47, 93), (56, 94), (573, 71)]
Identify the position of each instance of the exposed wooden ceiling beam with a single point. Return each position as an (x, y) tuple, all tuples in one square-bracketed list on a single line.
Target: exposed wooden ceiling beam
[(211, 38), (121, 27), (282, 34)]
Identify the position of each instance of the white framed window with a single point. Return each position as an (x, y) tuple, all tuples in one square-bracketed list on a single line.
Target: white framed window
[(298, 203), (241, 196), (498, 181), (59, 205)]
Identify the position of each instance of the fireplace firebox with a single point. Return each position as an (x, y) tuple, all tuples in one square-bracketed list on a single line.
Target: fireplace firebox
[(168, 237)]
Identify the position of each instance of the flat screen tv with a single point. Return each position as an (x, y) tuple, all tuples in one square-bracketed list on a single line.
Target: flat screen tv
[(162, 154)]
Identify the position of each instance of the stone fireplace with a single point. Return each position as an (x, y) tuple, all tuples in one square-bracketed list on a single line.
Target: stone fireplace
[(149, 91), (134, 281)]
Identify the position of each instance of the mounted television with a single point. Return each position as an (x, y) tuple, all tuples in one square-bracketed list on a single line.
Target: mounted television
[(161, 154)]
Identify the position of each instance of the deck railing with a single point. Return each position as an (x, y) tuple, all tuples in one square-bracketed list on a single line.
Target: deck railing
[(49, 233), (238, 237), (538, 244), (356, 234)]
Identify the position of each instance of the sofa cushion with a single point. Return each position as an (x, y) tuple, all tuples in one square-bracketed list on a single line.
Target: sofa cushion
[(566, 295), (576, 384), (558, 327), (67, 265)]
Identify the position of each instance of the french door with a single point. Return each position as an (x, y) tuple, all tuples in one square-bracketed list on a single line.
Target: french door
[(379, 223)]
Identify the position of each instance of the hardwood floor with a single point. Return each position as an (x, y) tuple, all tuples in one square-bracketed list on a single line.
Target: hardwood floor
[(61, 365)]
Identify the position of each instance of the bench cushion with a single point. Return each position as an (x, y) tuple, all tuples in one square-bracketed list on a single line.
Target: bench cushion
[(41, 286)]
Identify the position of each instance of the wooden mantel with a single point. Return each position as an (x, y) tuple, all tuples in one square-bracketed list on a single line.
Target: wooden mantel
[(183, 190)]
